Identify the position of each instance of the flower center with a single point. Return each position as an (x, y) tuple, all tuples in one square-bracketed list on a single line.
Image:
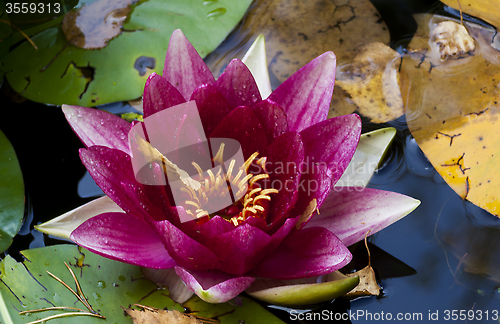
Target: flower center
[(214, 187)]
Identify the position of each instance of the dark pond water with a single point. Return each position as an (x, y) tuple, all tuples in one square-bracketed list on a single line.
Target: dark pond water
[(442, 257)]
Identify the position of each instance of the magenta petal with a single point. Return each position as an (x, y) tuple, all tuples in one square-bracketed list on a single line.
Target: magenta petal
[(184, 68), (306, 95), (242, 125), (159, 94), (237, 85), (206, 232), (240, 249), (184, 250), (214, 286), (350, 212), (98, 127), (329, 147), (121, 237), (112, 171), (286, 155), (272, 118), (333, 142), (306, 253), (212, 106)]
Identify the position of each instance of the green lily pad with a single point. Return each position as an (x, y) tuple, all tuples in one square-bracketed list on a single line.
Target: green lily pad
[(11, 194), (60, 73), (107, 284)]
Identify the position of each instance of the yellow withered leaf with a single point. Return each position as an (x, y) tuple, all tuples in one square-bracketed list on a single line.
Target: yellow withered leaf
[(298, 31), (452, 109), (372, 81), (487, 10), (367, 286)]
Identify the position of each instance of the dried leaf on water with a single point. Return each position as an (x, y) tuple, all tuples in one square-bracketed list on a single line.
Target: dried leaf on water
[(161, 316), (372, 81), (93, 25), (452, 111), (368, 285)]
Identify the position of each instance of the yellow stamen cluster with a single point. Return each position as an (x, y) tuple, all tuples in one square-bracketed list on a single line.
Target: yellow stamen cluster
[(253, 203)]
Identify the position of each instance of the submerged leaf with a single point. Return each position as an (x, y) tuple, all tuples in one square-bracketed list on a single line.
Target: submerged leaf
[(372, 81), (93, 25), (296, 32), (452, 112), (371, 149), (11, 193)]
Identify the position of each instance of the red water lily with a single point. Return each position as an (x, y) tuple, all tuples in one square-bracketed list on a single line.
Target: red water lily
[(219, 255)]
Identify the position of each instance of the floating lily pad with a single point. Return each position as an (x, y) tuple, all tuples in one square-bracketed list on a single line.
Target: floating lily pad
[(110, 287), (247, 311), (93, 25), (61, 73), (452, 110), (107, 284), (11, 193), (298, 31), (302, 292)]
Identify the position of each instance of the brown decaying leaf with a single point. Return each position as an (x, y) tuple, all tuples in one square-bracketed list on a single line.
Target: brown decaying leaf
[(92, 26), (160, 317), (372, 81), (452, 111), (297, 31), (368, 285)]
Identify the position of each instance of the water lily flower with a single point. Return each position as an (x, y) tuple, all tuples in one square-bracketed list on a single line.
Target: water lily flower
[(270, 233)]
